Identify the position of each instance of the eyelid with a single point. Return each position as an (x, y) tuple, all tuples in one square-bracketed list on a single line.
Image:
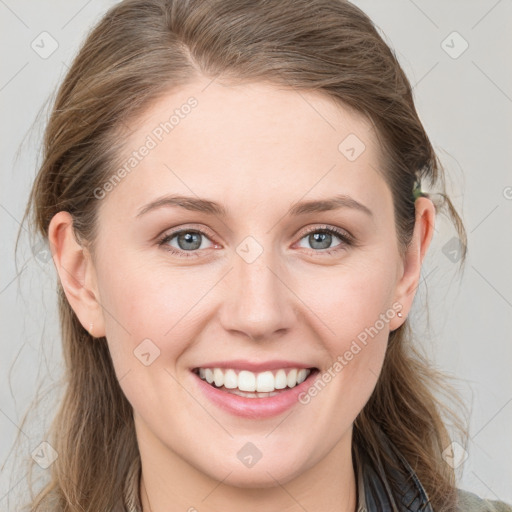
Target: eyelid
[(342, 233), (200, 228)]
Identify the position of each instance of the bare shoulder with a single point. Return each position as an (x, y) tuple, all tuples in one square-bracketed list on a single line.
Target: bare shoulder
[(470, 502)]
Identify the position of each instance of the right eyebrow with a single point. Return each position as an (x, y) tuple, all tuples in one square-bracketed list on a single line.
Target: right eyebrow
[(188, 202)]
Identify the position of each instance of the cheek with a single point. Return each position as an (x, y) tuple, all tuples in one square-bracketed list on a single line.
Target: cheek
[(141, 303), (153, 307), (149, 322), (350, 298), (354, 307)]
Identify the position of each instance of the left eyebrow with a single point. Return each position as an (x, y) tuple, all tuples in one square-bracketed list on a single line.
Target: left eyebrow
[(331, 203), (211, 207)]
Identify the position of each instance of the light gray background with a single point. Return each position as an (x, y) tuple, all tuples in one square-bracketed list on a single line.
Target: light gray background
[(466, 106)]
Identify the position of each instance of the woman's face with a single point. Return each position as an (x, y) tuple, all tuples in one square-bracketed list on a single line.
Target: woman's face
[(260, 283)]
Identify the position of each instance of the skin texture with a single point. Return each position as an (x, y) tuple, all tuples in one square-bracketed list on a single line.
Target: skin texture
[(257, 149)]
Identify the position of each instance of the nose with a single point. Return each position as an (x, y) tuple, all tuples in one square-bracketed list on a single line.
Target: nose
[(260, 304)]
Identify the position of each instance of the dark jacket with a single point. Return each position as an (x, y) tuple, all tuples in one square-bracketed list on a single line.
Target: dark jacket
[(375, 493)]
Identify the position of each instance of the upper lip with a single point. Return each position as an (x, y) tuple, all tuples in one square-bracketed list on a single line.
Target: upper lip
[(243, 364)]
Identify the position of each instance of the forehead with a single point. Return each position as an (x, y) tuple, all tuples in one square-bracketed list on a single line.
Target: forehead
[(248, 145)]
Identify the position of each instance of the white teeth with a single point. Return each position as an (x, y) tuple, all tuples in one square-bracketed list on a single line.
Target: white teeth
[(265, 382), (208, 375), (230, 379), (291, 379), (280, 379), (260, 384), (246, 381), (218, 377), (301, 375)]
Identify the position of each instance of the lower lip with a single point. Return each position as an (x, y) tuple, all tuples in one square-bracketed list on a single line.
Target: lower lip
[(255, 407)]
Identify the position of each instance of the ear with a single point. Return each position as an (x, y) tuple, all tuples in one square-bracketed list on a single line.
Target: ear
[(413, 258), (76, 272)]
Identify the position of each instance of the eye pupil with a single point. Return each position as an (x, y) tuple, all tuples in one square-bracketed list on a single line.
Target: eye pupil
[(189, 238), (322, 238)]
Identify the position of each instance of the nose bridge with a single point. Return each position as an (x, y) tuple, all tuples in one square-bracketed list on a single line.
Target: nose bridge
[(260, 304)]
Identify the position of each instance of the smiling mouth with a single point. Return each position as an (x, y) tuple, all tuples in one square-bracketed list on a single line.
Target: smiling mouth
[(254, 385)]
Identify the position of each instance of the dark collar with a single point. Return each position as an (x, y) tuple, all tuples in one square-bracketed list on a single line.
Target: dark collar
[(375, 492)]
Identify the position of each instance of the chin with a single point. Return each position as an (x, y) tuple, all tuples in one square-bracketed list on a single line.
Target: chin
[(259, 476)]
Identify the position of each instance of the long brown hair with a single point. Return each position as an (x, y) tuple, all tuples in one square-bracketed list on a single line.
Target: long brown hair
[(142, 49)]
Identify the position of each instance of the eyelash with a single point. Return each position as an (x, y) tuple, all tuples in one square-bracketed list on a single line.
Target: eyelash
[(346, 239)]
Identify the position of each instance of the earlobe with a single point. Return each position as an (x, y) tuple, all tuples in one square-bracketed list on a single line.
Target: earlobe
[(76, 272), (414, 256)]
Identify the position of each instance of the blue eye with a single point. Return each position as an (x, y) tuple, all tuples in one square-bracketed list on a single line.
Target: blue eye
[(190, 241), (321, 238)]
